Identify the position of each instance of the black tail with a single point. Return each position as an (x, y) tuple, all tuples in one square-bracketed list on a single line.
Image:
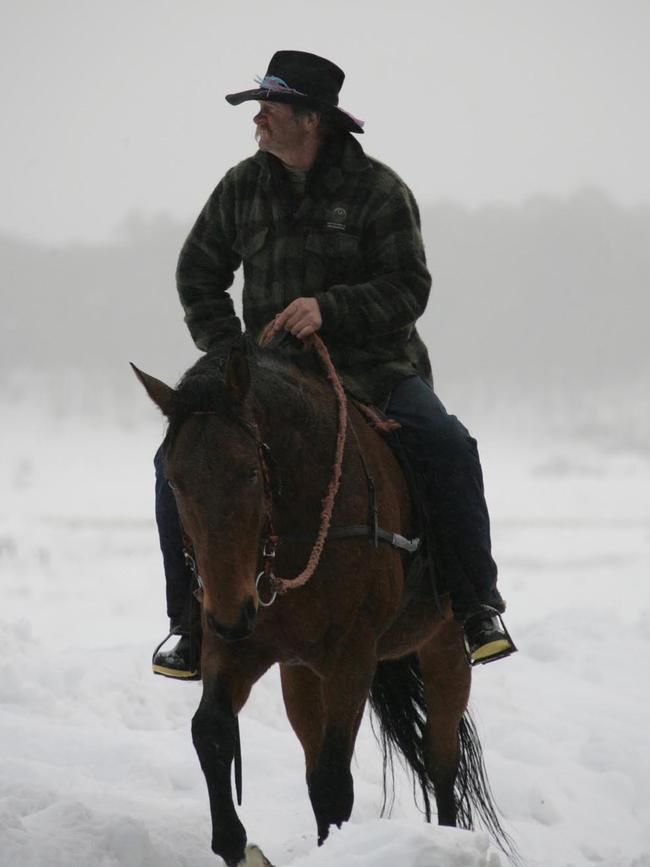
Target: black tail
[(397, 702)]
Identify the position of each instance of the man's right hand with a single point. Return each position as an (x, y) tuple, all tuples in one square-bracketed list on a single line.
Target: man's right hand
[(301, 318)]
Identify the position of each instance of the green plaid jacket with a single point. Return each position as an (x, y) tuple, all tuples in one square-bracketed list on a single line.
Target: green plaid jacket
[(352, 241)]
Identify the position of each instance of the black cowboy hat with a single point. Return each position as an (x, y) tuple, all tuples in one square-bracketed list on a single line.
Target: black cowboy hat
[(303, 79)]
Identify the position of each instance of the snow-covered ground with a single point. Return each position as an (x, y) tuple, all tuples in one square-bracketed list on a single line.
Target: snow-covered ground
[(97, 767)]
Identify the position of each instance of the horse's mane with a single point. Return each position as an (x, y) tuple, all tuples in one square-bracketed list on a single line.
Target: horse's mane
[(279, 374)]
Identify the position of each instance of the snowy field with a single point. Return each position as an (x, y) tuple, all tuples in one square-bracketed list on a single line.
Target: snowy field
[(97, 767)]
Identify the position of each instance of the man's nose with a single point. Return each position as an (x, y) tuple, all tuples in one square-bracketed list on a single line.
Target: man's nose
[(260, 116)]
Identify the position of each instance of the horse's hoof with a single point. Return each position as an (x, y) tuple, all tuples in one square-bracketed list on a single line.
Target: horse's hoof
[(254, 857)]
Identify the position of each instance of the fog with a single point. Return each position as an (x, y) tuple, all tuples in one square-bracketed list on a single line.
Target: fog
[(538, 315), (522, 128)]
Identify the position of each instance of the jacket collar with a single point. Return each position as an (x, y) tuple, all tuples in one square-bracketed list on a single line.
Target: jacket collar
[(336, 158)]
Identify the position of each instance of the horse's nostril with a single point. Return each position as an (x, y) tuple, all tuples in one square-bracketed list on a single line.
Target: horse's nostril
[(241, 629)]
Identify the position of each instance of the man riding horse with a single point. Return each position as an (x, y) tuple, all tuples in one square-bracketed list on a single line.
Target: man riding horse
[(330, 242)]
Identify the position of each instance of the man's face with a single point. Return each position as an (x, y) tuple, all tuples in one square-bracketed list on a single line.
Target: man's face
[(277, 129)]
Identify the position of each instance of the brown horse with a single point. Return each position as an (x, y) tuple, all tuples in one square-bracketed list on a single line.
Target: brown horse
[(256, 433)]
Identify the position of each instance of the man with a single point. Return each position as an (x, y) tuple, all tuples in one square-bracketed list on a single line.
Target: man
[(330, 242)]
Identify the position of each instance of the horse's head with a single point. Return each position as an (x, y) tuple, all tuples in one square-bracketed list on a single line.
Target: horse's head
[(212, 463)]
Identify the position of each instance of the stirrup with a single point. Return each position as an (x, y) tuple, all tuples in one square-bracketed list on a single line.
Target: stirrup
[(190, 672), (498, 645)]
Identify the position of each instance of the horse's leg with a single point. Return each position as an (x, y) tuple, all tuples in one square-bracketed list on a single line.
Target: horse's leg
[(214, 732), (447, 678), (326, 712), (302, 691), (303, 700)]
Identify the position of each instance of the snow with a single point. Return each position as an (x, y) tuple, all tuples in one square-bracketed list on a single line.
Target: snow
[(97, 768)]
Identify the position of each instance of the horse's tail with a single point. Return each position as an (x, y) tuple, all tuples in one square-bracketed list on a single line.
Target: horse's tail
[(397, 701)]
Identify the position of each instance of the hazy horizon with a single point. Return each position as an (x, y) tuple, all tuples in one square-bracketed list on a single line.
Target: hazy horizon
[(136, 222), (540, 309), (522, 130)]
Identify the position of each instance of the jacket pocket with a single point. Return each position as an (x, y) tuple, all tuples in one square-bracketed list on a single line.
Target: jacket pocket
[(331, 257)]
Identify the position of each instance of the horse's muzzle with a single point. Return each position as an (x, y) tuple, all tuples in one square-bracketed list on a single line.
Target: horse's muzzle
[(243, 628)]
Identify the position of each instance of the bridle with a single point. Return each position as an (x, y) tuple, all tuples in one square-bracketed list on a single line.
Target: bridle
[(277, 584), (270, 539)]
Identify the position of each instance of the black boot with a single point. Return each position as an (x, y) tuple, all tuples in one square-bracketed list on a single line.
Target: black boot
[(486, 637), (182, 661)]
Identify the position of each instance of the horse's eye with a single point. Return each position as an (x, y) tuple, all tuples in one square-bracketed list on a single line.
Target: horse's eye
[(171, 485), (253, 475)]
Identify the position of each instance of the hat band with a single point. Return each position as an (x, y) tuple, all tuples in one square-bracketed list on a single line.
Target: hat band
[(274, 84)]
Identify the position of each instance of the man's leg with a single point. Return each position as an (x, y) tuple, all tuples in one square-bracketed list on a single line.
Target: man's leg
[(182, 608), (445, 457)]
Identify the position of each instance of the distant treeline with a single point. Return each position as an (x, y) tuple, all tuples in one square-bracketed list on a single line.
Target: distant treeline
[(553, 291)]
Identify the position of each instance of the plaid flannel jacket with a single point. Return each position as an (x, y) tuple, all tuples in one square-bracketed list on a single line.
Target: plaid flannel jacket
[(352, 241)]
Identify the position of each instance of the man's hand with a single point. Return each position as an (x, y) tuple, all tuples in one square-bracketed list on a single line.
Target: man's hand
[(301, 317)]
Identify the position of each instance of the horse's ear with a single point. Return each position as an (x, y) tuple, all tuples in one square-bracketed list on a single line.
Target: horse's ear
[(161, 394), (238, 375)]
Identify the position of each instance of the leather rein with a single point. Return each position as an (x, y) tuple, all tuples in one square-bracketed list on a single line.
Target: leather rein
[(270, 539)]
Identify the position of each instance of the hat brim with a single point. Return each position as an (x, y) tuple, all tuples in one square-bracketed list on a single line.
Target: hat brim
[(340, 117)]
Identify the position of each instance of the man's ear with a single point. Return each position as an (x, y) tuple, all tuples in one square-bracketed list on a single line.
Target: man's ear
[(311, 120)]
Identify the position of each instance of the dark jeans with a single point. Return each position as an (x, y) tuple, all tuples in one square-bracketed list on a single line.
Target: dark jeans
[(178, 575), (444, 457)]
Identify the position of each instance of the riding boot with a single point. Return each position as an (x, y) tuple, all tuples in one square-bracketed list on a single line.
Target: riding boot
[(486, 637), (183, 661)]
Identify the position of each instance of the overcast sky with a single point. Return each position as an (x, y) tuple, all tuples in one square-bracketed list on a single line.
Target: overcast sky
[(109, 107)]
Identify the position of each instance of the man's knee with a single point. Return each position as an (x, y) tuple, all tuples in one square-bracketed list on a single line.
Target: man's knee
[(443, 437), (455, 435)]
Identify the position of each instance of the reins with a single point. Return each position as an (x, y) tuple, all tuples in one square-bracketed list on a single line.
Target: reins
[(281, 585), (271, 539)]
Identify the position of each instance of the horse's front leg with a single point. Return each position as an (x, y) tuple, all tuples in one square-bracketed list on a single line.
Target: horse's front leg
[(214, 732)]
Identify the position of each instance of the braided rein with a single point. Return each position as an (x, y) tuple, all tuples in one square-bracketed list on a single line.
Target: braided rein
[(281, 585), (277, 584)]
